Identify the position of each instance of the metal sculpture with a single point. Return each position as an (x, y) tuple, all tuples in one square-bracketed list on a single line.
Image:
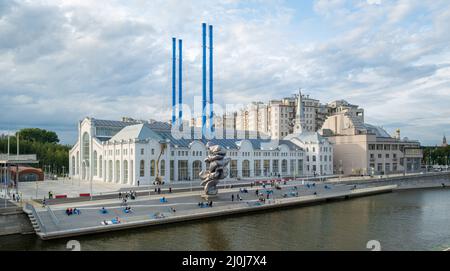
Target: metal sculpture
[(216, 169)]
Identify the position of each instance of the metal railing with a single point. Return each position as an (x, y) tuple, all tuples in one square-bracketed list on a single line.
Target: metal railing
[(36, 215), (52, 215)]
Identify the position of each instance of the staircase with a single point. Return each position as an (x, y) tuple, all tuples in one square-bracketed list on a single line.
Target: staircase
[(34, 218)]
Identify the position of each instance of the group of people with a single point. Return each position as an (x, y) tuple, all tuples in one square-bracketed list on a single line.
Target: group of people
[(74, 211), (127, 209), (205, 204), (128, 195), (238, 197), (243, 190), (16, 197)]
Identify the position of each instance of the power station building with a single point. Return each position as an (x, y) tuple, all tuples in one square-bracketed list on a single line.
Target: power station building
[(135, 152)]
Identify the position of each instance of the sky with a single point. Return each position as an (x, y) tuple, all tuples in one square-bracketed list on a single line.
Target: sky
[(63, 60)]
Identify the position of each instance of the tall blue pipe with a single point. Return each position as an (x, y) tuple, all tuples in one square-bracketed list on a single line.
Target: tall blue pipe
[(174, 75), (204, 82), (211, 112), (180, 82)]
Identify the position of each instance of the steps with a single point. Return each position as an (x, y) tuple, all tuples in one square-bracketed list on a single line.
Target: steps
[(33, 221)]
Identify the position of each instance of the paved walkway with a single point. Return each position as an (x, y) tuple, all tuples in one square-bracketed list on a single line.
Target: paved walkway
[(144, 208)]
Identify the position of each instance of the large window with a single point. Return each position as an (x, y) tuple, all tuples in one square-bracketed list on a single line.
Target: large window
[(245, 168), (142, 168), (78, 163), (85, 145), (300, 167), (275, 166), (95, 163), (233, 169), (162, 172), (110, 170), (131, 171), (100, 166), (73, 165), (152, 168), (183, 170), (257, 166), (266, 167), (284, 165), (196, 168), (117, 172), (172, 169)]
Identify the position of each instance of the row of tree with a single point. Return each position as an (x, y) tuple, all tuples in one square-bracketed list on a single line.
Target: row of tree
[(436, 155), (52, 156)]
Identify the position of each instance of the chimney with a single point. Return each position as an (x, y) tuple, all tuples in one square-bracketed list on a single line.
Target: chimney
[(174, 64), (180, 82), (204, 81), (211, 111)]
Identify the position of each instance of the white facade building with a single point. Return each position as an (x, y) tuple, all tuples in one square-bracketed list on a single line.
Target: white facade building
[(127, 152)]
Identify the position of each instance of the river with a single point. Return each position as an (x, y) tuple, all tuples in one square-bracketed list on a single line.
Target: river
[(404, 220)]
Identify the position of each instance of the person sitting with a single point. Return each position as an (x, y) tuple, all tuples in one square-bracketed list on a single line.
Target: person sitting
[(103, 210), (210, 203), (173, 209), (67, 211)]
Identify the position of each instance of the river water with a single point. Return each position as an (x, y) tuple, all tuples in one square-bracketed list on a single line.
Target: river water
[(406, 220)]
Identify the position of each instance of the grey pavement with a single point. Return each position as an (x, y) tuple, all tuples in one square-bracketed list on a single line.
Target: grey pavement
[(184, 203)]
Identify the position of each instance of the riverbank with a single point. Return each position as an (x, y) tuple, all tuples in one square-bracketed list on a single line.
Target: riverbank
[(412, 181), (55, 224), (17, 221)]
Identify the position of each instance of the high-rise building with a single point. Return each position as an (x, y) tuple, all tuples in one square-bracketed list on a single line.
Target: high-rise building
[(277, 117)]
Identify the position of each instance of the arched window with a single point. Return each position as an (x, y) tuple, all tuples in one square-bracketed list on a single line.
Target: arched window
[(117, 172), (284, 167), (162, 172), (245, 168), (85, 144), (73, 165), (131, 172), (142, 168), (100, 166), (78, 163), (152, 168), (125, 172), (233, 169), (110, 170), (95, 163), (196, 168)]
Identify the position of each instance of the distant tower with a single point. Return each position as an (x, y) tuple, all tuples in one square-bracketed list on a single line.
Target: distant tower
[(299, 115), (444, 142)]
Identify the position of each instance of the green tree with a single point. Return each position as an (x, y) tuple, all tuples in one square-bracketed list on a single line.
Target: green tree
[(38, 135), (48, 153)]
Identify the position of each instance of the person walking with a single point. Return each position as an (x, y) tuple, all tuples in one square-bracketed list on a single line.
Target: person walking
[(232, 197)]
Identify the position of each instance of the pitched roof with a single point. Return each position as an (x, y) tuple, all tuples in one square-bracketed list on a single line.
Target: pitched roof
[(138, 131)]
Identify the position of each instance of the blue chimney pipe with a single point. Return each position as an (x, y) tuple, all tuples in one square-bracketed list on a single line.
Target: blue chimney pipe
[(211, 112), (204, 82), (174, 75), (180, 82)]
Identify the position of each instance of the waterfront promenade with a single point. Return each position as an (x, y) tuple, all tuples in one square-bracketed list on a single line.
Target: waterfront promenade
[(53, 222)]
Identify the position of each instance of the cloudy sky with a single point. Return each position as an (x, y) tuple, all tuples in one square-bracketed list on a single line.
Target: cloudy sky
[(62, 60)]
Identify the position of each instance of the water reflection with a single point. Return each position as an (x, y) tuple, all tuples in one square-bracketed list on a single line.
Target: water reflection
[(410, 220)]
